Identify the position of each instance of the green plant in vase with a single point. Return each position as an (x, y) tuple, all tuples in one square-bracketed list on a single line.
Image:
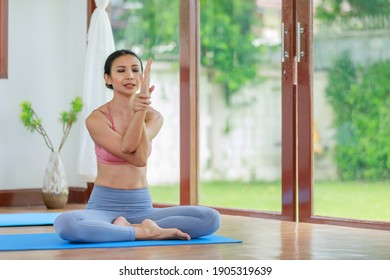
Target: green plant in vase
[(55, 186)]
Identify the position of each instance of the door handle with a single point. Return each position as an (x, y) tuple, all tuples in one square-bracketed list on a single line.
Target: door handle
[(284, 53), (300, 53)]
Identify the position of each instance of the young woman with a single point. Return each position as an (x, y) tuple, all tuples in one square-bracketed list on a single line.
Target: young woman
[(120, 207)]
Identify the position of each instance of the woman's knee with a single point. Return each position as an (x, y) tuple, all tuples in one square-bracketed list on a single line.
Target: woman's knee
[(66, 226), (214, 219), (61, 223), (211, 219)]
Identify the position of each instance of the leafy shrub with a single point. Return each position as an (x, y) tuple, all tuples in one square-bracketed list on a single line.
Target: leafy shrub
[(360, 97)]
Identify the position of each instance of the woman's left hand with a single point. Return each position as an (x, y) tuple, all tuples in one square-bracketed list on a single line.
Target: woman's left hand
[(145, 80), (142, 99)]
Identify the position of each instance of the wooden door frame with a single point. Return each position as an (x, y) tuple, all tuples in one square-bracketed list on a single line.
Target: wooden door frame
[(3, 39), (189, 99), (289, 117), (304, 83)]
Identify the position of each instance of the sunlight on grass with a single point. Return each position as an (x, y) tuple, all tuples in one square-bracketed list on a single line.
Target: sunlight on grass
[(354, 200), (253, 195), (239, 195)]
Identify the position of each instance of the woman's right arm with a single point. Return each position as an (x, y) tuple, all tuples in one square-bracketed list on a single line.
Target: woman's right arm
[(103, 135), (134, 137)]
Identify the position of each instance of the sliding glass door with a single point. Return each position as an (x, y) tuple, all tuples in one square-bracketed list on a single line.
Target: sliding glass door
[(351, 120), (240, 108)]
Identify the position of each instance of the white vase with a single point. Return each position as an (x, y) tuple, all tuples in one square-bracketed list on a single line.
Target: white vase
[(55, 189)]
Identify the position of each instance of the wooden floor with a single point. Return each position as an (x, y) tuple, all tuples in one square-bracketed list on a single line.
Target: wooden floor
[(263, 239)]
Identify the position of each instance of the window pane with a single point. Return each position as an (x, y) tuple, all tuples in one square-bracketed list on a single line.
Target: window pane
[(137, 25), (240, 104), (351, 111)]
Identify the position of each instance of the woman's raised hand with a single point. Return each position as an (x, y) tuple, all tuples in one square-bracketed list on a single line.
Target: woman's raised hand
[(142, 99), (145, 81)]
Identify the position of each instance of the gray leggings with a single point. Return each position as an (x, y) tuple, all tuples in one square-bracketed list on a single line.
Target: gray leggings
[(94, 224)]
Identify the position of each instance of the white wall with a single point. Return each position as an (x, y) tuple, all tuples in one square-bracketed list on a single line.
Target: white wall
[(47, 44)]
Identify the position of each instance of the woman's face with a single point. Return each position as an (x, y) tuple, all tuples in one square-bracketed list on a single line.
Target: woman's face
[(125, 75)]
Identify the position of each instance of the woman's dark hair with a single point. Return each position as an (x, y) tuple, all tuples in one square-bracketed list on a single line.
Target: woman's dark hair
[(110, 59)]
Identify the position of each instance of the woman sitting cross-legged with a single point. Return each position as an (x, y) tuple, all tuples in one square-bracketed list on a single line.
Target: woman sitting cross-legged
[(120, 207)]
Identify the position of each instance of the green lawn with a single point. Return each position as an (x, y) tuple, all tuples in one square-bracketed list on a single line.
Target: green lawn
[(358, 200), (355, 200)]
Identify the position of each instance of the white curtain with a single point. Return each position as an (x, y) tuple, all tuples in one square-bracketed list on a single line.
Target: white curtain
[(95, 93)]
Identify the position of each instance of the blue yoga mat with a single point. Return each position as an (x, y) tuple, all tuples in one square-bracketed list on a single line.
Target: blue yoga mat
[(51, 241), (27, 219)]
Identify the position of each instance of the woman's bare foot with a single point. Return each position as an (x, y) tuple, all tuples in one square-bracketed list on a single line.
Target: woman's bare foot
[(149, 230), (121, 221)]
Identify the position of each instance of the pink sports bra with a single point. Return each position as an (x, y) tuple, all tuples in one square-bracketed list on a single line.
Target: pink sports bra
[(102, 155)]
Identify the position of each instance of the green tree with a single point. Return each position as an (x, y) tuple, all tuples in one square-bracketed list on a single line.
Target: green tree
[(226, 36), (329, 10), (152, 26), (360, 97), (341, 77), (226, 42)]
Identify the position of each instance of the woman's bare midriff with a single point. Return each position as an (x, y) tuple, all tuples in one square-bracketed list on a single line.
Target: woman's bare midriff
[(121, 176)]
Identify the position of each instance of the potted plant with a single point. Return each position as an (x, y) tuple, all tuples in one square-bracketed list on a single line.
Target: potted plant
[(55, 189)]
